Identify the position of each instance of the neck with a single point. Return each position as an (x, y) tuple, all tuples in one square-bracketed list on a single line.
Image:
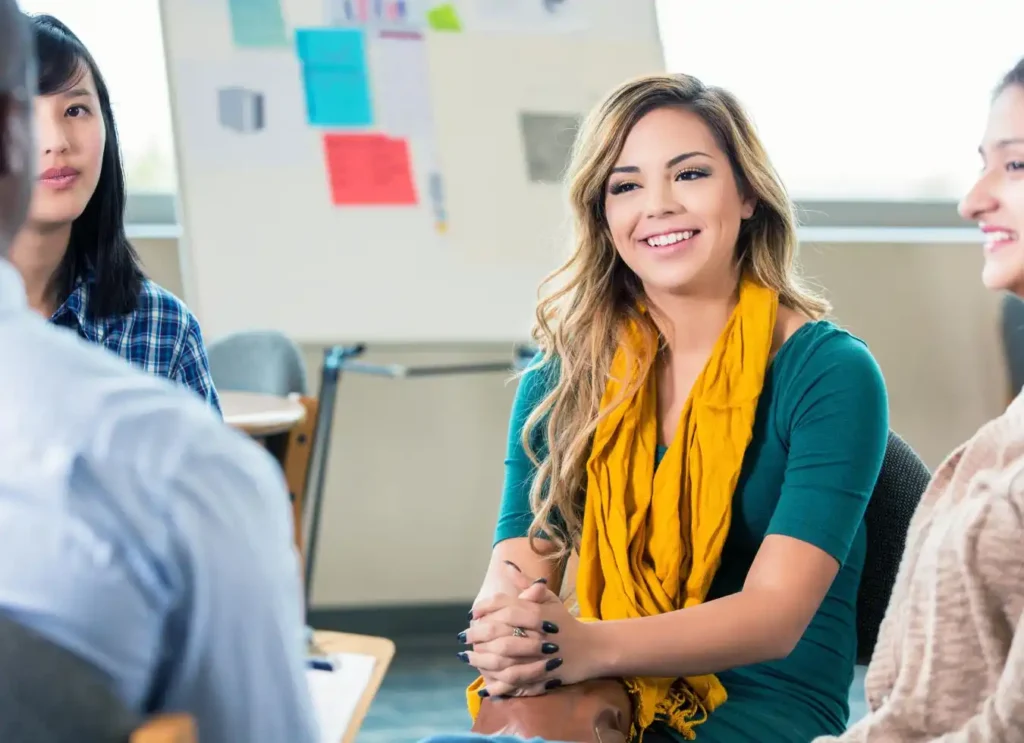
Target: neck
[(692, 323), (37, 253)]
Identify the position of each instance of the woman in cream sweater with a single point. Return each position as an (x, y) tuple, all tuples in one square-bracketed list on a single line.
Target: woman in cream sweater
[(949, 663)]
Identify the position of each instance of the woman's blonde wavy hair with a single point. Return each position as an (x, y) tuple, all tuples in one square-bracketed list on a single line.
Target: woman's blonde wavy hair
[(578, 324)]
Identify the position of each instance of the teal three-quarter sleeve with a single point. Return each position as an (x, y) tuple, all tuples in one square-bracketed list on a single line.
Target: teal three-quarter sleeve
[(838, 425), (514, 516)]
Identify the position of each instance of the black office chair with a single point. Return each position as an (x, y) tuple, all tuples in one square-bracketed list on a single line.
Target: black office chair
[(1012, 323), (901, 483), (50, 694)]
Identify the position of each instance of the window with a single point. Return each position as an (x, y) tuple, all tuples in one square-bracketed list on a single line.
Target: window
[(125, 39), (873, 100)]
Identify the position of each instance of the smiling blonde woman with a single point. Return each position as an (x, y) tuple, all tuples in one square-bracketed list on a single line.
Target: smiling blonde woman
[(698, 432)]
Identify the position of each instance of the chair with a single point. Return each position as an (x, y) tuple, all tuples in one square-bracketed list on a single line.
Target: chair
[(271, 363), (48, 693), (1013, 341), (258, 361), (901, 483), (295, 461)]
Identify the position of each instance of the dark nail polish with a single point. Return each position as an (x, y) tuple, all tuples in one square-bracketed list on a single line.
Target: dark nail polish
[(541, 580), (462, 638), (549, 628), (553, 684), (548, 648), (470, 615), (463, 656), (512, 565), (484, 693), (552, 664)]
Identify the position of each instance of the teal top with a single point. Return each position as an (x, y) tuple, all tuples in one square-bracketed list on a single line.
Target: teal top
[(819, 437)]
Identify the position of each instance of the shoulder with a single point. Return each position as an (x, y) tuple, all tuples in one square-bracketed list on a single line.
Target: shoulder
[(135, 433), (157, 442), (162, 310), (825, 376), (821, 353), (537, 381)]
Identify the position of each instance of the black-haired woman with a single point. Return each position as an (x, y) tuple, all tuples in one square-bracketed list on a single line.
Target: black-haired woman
[(79, 269)]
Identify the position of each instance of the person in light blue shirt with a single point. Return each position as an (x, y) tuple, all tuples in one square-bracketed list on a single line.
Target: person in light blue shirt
[(136, 529)]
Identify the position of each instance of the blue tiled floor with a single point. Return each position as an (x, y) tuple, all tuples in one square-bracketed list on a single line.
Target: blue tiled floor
[(423, 694)]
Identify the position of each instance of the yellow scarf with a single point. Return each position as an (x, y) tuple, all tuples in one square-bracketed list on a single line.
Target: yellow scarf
[(652, 540)]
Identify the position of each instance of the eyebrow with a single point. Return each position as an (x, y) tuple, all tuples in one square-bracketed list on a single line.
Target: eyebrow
[(1003, 143), (77, 93), (674, 161)]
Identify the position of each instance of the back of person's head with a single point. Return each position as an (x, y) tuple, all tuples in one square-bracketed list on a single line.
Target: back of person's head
[(670, 144), (69, 82), (17, 148)]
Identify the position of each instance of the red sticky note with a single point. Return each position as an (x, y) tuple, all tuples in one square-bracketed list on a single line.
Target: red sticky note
[(369, 169)]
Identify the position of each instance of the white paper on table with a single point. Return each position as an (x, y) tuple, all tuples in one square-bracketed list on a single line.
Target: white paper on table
[(336, 693)]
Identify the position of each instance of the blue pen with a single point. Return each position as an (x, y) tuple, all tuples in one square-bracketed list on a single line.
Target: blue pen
[(319, 664)]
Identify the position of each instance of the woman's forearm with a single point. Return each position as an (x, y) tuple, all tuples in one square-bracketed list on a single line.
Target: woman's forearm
[(514, 565), (726, 633)]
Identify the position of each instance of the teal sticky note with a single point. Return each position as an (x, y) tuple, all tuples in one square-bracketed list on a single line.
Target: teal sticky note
[(335, 76), (257, 23)]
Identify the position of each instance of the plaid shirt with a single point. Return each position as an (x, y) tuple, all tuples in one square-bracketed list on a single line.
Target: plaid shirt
[(160, 336)]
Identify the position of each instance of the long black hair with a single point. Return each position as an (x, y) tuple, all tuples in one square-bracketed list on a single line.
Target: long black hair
[(98, 241)]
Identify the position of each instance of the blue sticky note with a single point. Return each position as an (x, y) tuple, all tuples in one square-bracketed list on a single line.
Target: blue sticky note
[(257, 23), (335, 76)]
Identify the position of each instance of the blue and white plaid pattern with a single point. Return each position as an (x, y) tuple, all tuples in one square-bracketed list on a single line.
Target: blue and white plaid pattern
[(160, 336)]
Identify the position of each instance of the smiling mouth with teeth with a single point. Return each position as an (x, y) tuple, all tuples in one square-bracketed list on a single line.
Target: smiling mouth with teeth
[(671, 238)]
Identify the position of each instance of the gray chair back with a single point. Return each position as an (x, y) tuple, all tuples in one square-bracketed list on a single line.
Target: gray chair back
[(262, 361), (49, 694), (899, 488)]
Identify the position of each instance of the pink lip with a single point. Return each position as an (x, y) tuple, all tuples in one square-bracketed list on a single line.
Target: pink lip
[(59, 179), (992, 244)]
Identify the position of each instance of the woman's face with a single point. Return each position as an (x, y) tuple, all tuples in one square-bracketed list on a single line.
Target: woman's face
[(996, 202), (71, 138), (673, 206)]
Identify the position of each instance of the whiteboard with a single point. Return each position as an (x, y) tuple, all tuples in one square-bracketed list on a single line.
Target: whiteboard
[(325, 194)]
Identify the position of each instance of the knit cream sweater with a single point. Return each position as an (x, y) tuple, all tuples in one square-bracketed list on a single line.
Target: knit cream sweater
[(949, 663)]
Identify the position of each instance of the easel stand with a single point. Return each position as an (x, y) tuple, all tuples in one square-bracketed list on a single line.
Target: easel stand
[(346, 358)]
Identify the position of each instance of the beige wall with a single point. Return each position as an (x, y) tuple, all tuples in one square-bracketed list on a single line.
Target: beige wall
[(415, 466)]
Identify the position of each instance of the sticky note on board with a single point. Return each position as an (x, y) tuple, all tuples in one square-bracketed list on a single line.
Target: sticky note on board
[(547, 141), (444, 18), (241, 110), (369, 170), (400, 76), (335, 76), (257, 23)]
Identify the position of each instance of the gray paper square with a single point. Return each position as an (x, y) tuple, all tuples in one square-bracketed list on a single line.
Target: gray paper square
[(240, 109), (547, 140)]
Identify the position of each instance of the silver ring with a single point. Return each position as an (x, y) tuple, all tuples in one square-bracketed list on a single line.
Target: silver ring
[(518, 632)]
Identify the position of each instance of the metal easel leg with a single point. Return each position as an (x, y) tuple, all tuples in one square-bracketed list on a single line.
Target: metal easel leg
[(334, 358)]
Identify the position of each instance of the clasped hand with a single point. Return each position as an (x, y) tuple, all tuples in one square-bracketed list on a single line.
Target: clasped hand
[(526, 644)]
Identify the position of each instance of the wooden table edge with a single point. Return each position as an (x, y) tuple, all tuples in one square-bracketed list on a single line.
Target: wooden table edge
[(383, 651)]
